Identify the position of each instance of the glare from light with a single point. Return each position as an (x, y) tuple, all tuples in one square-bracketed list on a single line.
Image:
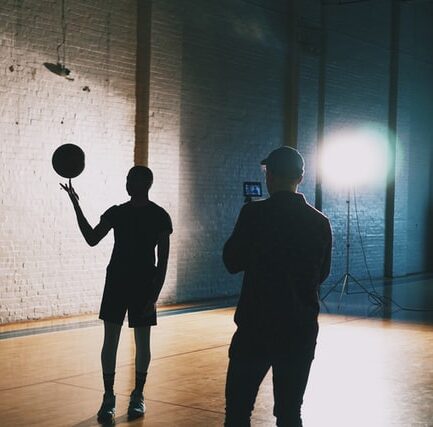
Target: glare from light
[(354, 157)]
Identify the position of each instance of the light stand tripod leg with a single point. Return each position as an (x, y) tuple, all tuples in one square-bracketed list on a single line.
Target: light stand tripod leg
[(344, 287), (359, 284), (333, 287), (344, 280)]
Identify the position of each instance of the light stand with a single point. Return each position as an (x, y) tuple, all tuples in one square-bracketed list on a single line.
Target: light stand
[(347, 276)]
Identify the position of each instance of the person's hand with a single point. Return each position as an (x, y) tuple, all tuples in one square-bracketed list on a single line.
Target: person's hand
[(71, 192)]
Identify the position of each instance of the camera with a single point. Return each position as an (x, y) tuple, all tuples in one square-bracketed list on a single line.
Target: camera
[(252, 189)]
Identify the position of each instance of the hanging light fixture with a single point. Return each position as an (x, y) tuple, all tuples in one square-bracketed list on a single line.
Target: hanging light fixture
[(60, 68)]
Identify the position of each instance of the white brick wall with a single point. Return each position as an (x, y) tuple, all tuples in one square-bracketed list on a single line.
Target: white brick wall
[(164, 123), (46, 268)]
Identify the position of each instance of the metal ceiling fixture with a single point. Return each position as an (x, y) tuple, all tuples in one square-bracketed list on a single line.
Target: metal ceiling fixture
[(60, 68)]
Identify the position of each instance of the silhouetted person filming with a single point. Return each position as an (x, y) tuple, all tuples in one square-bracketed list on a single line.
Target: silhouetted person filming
[(283, 246), (133, 281)]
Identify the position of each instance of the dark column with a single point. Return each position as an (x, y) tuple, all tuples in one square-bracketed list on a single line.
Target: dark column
[(291, 128), (142, 86), (392, 132), (321, 103), (429, 234)]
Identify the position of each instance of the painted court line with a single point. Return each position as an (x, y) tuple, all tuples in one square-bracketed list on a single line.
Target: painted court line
[(97, 322)]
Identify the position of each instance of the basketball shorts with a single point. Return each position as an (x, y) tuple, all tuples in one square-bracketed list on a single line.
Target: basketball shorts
[(130, 295)]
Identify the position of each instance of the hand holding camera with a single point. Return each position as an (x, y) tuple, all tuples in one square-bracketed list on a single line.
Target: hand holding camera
[(252, 189)]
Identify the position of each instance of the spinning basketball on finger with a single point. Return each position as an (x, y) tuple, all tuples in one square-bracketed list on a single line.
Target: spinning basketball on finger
[(134, 277)]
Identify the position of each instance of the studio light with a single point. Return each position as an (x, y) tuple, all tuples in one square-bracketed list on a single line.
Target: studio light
[(354, 157), (351, 158)]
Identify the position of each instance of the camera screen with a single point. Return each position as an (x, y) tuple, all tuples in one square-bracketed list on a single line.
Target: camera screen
[(252, 189)]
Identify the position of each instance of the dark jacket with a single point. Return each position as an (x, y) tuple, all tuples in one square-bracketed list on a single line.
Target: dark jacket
[(283, 246)]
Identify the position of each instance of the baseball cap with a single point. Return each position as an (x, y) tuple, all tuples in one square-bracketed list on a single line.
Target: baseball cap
[(285, 161)]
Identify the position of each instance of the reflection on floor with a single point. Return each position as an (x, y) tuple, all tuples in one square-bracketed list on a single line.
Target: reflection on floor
[(368, 372)]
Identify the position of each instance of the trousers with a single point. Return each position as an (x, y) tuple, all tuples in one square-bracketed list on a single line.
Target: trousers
[(246, 372)]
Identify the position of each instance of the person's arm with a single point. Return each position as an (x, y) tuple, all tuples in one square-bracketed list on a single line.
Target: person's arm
[(163, 250), (92, 235), (326, 265), (235, 252)]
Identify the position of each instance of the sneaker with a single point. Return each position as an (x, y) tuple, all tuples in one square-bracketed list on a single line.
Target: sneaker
[(107, 411), (136, 408)]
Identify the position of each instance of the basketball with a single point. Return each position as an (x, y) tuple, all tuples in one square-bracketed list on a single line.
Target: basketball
[(68, 160)]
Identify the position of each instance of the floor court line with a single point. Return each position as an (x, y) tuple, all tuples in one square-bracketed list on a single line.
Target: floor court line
[(97, 322)]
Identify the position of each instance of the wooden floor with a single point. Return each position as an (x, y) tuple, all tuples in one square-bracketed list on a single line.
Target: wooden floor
[(366, 373)]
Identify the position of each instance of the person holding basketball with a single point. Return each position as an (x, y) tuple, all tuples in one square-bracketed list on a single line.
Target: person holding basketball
[(133, 281)]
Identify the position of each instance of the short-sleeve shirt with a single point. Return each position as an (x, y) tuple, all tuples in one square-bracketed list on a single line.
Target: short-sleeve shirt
[(136, 233)]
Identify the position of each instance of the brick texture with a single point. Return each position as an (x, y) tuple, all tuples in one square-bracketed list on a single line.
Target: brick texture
[(46, 268), (218, 88)]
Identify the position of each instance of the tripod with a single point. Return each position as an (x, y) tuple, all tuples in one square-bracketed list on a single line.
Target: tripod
[(347, 276)]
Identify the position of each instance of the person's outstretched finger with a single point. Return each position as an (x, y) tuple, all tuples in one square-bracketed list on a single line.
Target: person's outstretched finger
[(72, 190), (74, 193)]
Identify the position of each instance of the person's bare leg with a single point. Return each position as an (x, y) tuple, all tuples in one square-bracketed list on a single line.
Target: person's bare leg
[(142, 359), (108, 361), (142, 355), (109, 353)]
